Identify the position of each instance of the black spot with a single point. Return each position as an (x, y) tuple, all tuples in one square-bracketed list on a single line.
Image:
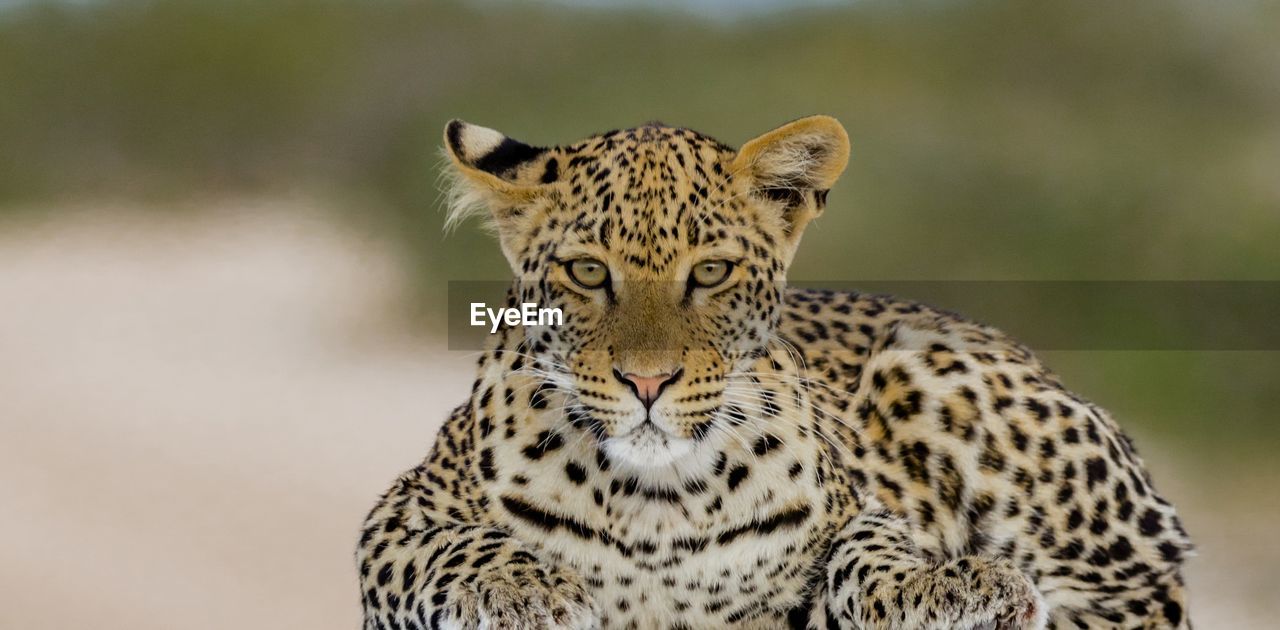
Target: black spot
[(737, 475), (486, 465), (692, 545), (483, 560), (1019, 439), (506, 156), (1039, 409), (1121, 550), (454, 134), (577, 474), (1096, 471), (552, 172), (1071, 436), (538, 398), (877, 380), (718, 467), (545, 443), (548, 521), (700, 430), (786, 518), (1149, 525), (1074, 520), (766, 443)]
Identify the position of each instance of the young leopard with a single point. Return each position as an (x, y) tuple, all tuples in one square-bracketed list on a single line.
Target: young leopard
[(697, 446)]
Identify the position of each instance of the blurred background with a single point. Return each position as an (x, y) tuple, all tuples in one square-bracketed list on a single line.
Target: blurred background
[(222, 270)]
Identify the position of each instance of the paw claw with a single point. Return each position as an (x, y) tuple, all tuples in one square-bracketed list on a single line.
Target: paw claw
[(509, 601), (1000, 595)]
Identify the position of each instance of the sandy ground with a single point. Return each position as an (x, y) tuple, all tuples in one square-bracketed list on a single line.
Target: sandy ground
[(196, 413)]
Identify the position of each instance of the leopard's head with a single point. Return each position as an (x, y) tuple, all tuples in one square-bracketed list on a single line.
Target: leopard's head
[(667, 252)]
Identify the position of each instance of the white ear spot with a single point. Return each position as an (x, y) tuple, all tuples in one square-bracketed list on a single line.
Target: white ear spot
[(478, 141), (486, 177)]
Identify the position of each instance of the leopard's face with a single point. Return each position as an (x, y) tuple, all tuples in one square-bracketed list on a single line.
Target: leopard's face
[(663, 270), (667, 253)]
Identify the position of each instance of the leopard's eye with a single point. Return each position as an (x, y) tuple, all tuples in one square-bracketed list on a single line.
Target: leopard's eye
[(589, 273), (710, 273)]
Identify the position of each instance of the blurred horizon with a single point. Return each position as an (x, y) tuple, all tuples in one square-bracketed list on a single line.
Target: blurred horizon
[(1018, 131), (722, 9), (224, 270)]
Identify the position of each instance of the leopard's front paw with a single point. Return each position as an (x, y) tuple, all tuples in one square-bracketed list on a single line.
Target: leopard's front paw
[(524, 597), (983, 593)]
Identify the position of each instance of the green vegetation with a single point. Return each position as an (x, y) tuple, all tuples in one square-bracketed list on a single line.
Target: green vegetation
[(993, 139)]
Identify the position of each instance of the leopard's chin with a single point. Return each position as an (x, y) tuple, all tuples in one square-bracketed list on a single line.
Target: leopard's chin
[(647, 447)]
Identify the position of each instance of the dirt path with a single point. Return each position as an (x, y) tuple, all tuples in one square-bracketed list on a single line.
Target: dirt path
[(197, 415), (197, 412)]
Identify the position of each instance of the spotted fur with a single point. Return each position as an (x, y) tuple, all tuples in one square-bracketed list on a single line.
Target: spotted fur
[(819, 459)]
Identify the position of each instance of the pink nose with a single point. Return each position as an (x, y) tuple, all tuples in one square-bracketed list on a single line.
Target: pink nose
[(647, 388)]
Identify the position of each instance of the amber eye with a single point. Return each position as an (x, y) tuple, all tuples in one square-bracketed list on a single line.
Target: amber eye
[(710, 273), (589, 273)]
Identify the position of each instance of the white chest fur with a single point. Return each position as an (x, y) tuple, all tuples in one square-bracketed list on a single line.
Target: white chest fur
[(726, 525)]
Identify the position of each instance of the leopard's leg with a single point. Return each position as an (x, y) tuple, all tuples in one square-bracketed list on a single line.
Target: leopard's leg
[(464, 576), (1166, 605), (876, 578), (428, 558), (1161, 604)]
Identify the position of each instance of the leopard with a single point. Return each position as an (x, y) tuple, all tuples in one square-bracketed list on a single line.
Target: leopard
[(700, 445)]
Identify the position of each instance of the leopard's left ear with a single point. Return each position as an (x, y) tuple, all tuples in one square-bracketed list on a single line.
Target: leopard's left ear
[(497, 177), (494, 172), (793, 167)]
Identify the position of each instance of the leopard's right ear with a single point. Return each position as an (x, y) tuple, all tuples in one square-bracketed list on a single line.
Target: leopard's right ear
[(494, 174)]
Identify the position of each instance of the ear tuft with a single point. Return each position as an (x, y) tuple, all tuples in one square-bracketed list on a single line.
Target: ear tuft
[(793, 167), (488, 150), (805, 155), (491, 172)]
